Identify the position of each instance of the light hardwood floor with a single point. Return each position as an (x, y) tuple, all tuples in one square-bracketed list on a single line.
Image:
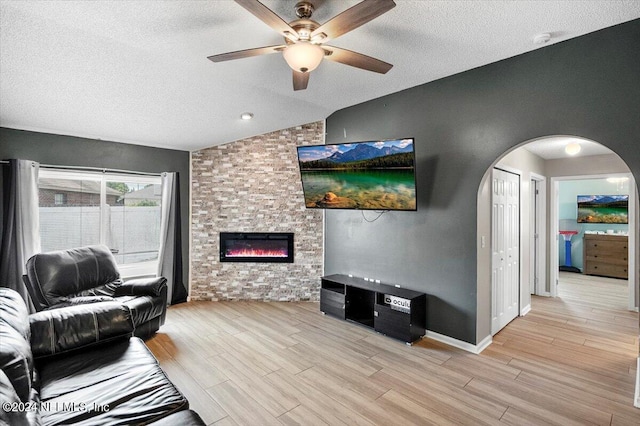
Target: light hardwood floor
[(570, 361), (594, 291)]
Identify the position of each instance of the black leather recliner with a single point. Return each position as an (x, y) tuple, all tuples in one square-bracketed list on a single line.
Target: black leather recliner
[(89, 275)]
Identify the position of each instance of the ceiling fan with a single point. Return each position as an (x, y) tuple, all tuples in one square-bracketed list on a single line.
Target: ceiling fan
[(304, 39)]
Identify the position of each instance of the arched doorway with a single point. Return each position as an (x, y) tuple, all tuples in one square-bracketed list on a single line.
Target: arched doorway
[(536, 174)]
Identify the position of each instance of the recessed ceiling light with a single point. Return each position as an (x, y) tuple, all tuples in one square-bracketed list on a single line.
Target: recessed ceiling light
[(246, 115), (573, 148), (541, 38)]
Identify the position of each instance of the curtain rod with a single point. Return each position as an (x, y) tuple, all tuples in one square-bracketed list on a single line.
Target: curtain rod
[(98, 169), (92, 169)]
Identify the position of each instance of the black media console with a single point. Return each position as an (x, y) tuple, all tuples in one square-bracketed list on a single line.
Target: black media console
[(397, 312)]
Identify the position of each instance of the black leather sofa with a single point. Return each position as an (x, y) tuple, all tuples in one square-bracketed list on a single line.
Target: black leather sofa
[(88, 275), (80, 365)]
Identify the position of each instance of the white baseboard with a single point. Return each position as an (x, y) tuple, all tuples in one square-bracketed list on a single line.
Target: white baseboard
[(636, 398), (475, 349), (525, 310)]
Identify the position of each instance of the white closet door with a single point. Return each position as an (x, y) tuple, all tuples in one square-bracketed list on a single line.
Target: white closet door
[(505, 247)]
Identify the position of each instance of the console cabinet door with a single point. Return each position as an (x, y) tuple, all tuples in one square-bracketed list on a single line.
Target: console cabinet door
[(332, 303), (392, 323)]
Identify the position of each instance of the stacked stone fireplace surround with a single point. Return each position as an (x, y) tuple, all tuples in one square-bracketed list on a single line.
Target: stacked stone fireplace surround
[(253, 185)]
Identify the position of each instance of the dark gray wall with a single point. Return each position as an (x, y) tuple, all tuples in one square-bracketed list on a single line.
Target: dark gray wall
[(588, 86), (61, 150)]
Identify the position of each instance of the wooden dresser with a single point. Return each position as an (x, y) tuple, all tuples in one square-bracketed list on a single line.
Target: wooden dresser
[(606, 255)]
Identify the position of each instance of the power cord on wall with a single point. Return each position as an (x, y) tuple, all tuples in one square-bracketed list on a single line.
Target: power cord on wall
[(380, 213)]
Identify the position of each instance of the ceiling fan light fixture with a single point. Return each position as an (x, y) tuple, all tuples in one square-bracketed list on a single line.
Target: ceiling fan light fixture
[(573, 148), (303, 38), (303, 56)]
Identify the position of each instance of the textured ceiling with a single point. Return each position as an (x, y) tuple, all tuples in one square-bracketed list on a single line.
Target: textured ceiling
[(137, 71)]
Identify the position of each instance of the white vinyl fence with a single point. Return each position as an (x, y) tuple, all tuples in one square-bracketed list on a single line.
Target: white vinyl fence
[(133, 232)]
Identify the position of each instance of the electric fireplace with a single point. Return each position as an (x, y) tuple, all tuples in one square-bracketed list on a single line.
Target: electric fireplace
[(256, 247)]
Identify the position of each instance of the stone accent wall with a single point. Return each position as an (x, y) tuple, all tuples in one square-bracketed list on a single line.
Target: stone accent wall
[(253, 185)]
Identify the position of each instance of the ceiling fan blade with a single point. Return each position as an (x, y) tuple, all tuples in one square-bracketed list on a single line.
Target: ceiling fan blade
[(267, 16), (356, 59), (300, 80), (239, 54), (352, 18)]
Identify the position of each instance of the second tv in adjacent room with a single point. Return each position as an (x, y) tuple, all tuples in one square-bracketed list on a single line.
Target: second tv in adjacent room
[(603, 209)]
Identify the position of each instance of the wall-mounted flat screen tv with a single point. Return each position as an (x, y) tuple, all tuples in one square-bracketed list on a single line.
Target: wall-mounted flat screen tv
[(374, 175), (603, 209)]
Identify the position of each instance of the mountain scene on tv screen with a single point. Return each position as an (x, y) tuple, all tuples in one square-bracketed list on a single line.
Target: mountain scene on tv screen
[(603, 209), (362, 175)]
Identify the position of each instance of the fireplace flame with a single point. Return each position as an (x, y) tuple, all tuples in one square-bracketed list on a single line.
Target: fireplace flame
[(251, 252)]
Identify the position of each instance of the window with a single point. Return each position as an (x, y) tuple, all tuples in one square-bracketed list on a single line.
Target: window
[(119, 211), (60, 199)]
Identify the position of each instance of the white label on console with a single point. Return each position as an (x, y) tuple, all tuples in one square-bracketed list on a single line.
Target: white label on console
[(398, 303)]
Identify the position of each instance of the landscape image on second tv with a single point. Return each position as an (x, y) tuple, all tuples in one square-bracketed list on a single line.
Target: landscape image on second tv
[(376, 175), (603, 209)]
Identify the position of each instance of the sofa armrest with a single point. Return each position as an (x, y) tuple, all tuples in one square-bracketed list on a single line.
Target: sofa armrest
[(142, 287), (60, 330)]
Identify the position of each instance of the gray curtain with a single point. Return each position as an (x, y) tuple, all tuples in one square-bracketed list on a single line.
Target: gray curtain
[(170, 256), (21, 224)]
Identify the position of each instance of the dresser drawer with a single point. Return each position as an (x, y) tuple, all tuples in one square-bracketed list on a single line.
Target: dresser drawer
[(606, 269), (622, 260), (612, 243), (613, 249)]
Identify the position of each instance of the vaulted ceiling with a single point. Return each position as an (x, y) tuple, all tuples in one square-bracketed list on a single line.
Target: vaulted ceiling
[(137, 71)]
